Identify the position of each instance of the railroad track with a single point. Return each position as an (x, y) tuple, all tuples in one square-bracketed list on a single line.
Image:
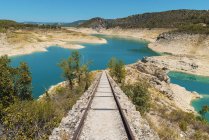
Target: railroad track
[(103, 118)]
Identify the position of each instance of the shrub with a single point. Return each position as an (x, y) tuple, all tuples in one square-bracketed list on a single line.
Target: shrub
[(199, 135), (167, 133), (183, 125), (117, 70), (30, 119), (37, 119), (139, 94)]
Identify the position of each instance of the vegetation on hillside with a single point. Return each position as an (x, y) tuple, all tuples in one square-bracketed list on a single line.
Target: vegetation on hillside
[(194, 29), (7, 25), (171, 121), (193, 21), (139, 94), (15, 83), (24, 118), (163, 115), (175, 121)]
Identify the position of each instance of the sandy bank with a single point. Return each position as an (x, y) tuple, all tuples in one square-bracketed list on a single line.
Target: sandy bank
[(26, 42), (189, 53), (143, 34), (183, 98)]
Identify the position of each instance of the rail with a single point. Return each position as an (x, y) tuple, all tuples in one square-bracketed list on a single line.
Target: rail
[(126, 125)]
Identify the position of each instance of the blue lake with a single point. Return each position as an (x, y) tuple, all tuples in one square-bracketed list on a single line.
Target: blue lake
[(44, 65), (193, 83)]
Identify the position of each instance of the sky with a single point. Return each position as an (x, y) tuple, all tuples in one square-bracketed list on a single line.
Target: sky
[(72, 10)]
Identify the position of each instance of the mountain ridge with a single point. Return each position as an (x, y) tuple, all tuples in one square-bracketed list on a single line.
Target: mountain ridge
[(166, 19)]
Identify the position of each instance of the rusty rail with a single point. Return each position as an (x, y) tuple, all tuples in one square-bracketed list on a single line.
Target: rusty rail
[(81, 123), (123, 117)]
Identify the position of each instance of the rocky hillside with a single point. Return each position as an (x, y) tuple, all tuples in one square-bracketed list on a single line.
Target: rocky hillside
[(171, 114), (168, 19)]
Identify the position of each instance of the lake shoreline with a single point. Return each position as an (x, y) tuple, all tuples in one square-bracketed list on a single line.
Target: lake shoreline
[(28, 42), (197, 65), (163, 61)]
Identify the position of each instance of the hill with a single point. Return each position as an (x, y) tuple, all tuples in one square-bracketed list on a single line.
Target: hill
[(6, 25), (167, 19)]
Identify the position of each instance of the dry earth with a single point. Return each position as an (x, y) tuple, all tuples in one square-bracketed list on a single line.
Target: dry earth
[(26, 42)]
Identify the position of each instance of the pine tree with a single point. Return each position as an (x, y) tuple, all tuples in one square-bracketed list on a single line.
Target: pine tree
[(24, 82), (117, 69), (7, 94), (111, 66), (75, 55), (120, 71)]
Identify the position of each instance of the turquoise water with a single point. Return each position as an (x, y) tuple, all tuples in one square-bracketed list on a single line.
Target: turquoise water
[(44, 65), (193, 83)]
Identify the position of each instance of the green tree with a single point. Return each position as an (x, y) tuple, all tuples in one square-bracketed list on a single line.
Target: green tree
[(76, 60), (68, 71), (74, 71), (111, 66), (87, 76), (7, 94), (24, 83), (117, 69), (75, 55), (120, 71)]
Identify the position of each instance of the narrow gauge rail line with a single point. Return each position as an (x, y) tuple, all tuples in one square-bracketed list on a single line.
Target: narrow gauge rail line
[(106, 92)]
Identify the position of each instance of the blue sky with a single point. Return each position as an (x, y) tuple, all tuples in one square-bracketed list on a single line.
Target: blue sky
[(71, 10)]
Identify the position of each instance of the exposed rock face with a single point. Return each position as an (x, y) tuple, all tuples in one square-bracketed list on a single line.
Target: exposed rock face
[(188, 64), (157, 76), (182, 43), (154, 70)]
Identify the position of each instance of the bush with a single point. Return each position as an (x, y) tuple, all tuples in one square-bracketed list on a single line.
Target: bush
[(168, 133), (183, 125), (30, 119), (117, 70), (139, 94), (37, 119), (198, 135)]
